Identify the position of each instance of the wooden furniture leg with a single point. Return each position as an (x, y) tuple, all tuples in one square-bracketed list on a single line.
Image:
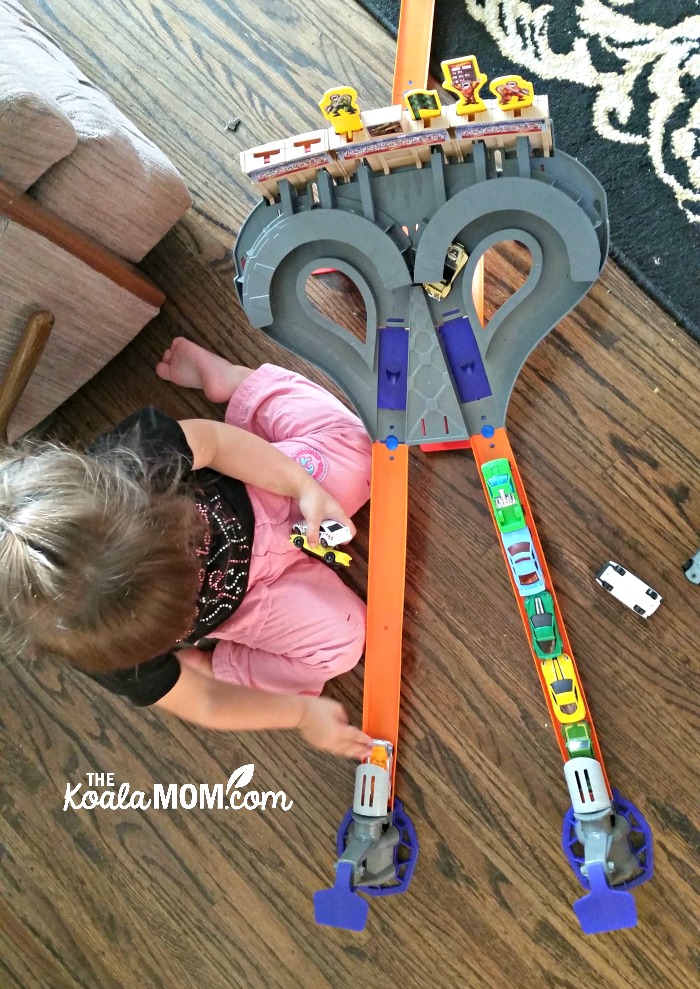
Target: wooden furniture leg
[(29, 349)]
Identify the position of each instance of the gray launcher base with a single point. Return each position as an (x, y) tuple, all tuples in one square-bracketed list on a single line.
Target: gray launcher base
[(427, 370)]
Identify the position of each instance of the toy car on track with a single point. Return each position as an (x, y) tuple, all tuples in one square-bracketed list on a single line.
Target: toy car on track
[(544, 631), (504, 498), (523, 562), (629, 589), (578, 741), (381, 755), (455, 260), (560, 677)]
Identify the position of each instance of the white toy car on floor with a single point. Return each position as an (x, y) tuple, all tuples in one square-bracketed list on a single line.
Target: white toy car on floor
[(691, 568), (629, 589)]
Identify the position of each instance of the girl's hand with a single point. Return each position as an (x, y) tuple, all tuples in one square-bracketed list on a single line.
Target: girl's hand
[(324, 724), (315, 504)]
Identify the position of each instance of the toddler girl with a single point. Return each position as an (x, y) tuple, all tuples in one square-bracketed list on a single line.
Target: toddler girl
[(121, 559)]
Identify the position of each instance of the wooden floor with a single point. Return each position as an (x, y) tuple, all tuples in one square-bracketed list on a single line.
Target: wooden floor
[(605, 421)]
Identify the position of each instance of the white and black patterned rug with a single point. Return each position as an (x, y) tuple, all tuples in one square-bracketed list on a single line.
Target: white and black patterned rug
[(623, 79)]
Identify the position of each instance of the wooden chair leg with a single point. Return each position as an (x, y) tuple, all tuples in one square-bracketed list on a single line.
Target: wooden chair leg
[(29, 349)]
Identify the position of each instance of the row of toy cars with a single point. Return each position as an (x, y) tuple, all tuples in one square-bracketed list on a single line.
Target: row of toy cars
[(545, 638)]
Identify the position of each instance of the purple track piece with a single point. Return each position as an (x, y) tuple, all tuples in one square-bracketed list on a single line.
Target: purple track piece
[(608, 908), (640, 838), (405, 853), (604, 909), (340, 906), (392, 371), (464, 358)]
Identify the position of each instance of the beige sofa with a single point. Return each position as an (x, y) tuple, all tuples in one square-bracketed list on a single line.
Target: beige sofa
[(83, 193)]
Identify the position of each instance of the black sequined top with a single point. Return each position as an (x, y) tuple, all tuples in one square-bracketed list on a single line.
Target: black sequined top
[(225, 508)]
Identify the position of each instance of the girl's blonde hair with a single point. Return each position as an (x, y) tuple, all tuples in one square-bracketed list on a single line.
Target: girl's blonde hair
[(98, 556)]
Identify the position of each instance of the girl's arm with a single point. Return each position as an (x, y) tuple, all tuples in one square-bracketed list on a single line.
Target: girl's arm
[(249, 458), (226, 707)]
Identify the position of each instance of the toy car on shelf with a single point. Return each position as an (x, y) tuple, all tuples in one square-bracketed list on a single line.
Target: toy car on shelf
[(523, 562), (544, 630), (504, 498), (560, 677), (455, 260), (578, 741), (628, 589), (691, 568), (331, 535)]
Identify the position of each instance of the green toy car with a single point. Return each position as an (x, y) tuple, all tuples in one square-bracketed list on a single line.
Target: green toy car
[(577, 739), (544, 631), (504, 498)]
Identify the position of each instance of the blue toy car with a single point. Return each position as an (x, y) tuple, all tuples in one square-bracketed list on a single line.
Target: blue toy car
[(523, 561)]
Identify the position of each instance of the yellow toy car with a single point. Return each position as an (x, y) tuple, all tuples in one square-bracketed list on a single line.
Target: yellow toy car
[(456, 259), (563, 686), (329, 554)]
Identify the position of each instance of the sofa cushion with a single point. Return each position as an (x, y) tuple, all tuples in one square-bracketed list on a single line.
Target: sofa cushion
[(34, 131), (115, 184)]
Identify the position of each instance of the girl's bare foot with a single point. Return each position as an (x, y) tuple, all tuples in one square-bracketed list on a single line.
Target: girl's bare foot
[(186, 363)]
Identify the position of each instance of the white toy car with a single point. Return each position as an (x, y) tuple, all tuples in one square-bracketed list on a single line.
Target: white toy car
[(629, 589), (691, 568), (331, 533)]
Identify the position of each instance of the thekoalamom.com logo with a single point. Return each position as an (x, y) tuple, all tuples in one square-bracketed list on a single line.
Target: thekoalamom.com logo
[(103, 793)]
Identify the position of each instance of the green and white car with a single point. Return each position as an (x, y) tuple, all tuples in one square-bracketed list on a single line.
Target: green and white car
[(504, 498), (577, 739)]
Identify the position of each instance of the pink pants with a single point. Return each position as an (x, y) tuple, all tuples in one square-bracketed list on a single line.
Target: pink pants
[(298, 624)]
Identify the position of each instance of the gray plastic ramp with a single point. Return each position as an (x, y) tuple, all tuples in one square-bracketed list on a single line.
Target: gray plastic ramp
[(427, 371)]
